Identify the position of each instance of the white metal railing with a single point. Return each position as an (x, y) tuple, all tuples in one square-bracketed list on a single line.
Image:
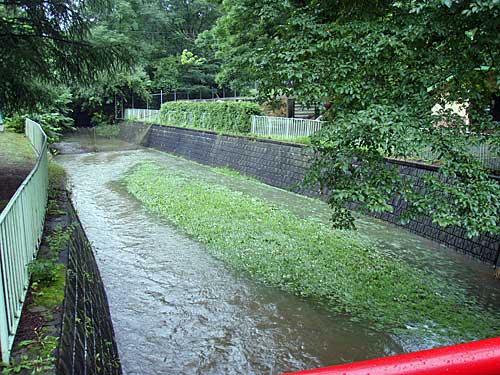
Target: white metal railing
[(140, 114), (487, 154), (21, 227), (282, 127), (286, 128), (176, 118), (276, 127)]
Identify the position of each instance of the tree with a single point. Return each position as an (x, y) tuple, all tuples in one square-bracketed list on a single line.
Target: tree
[(382, 66), (155, 33), (47, 42)]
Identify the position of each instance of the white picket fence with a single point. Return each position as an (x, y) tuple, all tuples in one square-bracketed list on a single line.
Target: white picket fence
[(285, 128)]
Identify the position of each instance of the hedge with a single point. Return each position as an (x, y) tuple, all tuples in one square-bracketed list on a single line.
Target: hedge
[(219, 116)]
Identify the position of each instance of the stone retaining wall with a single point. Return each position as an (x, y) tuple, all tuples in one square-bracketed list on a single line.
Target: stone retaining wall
[(284, 165), (87, 344)]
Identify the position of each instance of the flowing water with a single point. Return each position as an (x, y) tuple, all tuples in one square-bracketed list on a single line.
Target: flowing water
[(177, 310)]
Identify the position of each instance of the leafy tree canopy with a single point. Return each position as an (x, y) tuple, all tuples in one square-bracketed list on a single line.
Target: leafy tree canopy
[(159, 34), (381, 66), (48, 42)]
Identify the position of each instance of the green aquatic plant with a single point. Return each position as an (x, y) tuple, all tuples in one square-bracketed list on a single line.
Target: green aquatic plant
[(309, 259)]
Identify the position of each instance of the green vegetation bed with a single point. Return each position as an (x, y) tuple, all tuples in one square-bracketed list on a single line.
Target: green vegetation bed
[(309, 259), (15, 149)]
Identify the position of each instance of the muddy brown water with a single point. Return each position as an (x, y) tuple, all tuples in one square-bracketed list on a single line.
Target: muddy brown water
[(177, 310)]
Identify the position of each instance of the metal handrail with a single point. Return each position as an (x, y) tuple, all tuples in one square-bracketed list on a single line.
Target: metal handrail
[(21, 228), (474, 358)]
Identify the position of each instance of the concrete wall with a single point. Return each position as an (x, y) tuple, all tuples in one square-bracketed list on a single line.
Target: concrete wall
[(284, 165), (87, 344)]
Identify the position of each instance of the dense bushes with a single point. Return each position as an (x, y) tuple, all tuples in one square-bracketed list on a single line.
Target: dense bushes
[(54, 119), (53, 124), (220, 116)]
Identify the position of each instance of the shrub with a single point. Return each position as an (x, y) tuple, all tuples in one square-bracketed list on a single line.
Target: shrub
[(15, 123), (53, 124), (219, 116), (43, 272)]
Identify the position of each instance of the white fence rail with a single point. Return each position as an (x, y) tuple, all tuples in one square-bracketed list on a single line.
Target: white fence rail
[(21, 227), (140, 114), (487, 154), (282, 127), (176, 118), (289, 128)]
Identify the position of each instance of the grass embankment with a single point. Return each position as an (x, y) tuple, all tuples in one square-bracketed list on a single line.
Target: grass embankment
[(15, 149), (16, 160), (309, 259)]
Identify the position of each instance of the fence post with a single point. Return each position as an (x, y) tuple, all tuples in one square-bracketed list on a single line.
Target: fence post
[(4, 327)]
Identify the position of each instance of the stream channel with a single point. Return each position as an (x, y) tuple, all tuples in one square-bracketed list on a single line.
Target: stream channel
[(178, 310)]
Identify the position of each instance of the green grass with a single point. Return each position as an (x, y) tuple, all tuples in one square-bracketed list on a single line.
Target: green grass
[(15, 149), (52, 294), (57, 178), (227, 171), (302, 140), (309, 259)]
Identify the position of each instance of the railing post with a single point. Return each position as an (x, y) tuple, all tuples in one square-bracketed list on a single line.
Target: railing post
[(4, 326)]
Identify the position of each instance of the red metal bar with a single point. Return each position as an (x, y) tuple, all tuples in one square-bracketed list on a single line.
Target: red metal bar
[(474, 358)]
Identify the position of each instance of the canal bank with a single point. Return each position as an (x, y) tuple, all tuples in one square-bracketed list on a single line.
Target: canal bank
[(136, 239), (65, 327), (177, 309), (284, 165)]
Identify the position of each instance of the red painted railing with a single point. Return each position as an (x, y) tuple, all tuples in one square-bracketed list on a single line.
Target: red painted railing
[(475, 358)]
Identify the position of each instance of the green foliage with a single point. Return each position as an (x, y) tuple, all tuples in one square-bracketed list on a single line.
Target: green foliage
[(218, 116), (57, 180), (16, 150), (189, 58), (40, 357), (155, 34), (309, 259), (107, 131), (15, 124), (53, 124), (53, 118), (100, 119), (103, 125), (167, 75), (58, 239), (44, 43), (47, 274), (381, 67), (43, 272), (52, 294)]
